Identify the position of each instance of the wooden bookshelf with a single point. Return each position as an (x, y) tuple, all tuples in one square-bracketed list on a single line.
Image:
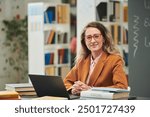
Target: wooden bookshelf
[(49, 37)]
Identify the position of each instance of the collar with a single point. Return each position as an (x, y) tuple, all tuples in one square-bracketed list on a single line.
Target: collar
[(95, 60)]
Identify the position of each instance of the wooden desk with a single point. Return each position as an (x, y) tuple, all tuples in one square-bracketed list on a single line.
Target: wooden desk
[(130, 98)]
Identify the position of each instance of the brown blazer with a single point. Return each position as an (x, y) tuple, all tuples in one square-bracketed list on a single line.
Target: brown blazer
[(108, 72)]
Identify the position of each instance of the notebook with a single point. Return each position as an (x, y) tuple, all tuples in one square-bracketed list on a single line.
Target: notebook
[(50, 86)]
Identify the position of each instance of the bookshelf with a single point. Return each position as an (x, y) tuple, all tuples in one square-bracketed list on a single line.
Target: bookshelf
[(113, 14), (49, 38)]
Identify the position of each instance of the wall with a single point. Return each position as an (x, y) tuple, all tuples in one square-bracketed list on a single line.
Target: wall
[(85, 14)]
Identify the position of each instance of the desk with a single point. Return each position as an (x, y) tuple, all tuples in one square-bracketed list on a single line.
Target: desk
[(43, 98), (130, 98), (139, 98)]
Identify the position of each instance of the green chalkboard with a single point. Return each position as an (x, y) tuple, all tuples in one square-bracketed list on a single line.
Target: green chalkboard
[(139, 47)]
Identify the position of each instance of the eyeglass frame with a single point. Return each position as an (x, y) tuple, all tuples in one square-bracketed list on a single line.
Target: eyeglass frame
[(90, 36)]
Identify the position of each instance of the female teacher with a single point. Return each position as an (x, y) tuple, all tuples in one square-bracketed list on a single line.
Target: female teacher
[(99, 63)]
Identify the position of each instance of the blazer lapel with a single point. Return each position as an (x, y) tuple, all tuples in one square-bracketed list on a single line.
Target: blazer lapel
[(85, 69), (97, 70)]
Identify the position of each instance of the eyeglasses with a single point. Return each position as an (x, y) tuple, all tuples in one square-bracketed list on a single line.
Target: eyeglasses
[(95, 36)]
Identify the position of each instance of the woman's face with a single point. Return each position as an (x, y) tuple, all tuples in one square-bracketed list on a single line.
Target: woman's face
[(93, 40)]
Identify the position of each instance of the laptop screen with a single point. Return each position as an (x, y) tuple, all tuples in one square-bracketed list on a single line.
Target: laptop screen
[(48, 85)]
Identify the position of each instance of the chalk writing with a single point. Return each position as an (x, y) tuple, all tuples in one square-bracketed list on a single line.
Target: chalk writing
[(146, 44), (147, 4), (146, 25), (136, 29), (136, 34), (147, 22)]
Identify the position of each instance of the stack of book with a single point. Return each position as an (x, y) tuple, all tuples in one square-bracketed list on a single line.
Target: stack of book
[(24, 89), (105, 93), (9, 95)]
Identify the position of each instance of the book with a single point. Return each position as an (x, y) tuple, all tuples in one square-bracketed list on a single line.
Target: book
[(64, 14), (49, 70), (47, 58), (61, 53), (102, 11), (63, 71), (27, 93), (125, 36), (109, 89), (117, 11), (116, 33), (62, 11), (52, 58), (59, 13), (119, 34), (17, 98), (66, 53), (5, 95), (51, 14), (62, 37), (125, 13), (46, 20), (105, 93), (51, 37), (19, 87)]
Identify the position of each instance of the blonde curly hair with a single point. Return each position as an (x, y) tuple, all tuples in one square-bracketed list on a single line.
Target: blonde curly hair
[(108, 45)]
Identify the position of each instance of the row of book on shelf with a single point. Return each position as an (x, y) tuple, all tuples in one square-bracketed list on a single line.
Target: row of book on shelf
[(115, 30), (114, 9), (52, 35), (57, 13), (62, 57), (61, 71)]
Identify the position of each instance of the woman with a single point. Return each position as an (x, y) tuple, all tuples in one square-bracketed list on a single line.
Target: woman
[(99, 64)]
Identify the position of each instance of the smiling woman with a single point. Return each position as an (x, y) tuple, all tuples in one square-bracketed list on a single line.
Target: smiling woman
[(99, 63), (94, 43)]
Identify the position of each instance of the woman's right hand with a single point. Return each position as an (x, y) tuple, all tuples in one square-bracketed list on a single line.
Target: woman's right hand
[(79, 86)]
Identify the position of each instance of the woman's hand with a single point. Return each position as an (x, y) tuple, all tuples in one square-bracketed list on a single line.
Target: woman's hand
[(78, 87)]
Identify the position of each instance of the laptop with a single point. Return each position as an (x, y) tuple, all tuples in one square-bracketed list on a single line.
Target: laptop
[(50, 86)]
